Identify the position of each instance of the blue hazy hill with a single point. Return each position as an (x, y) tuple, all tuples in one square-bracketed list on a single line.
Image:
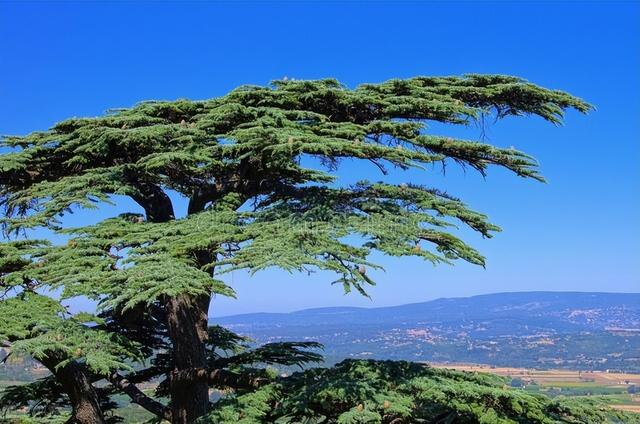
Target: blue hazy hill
[(557, 310), (541, 329)]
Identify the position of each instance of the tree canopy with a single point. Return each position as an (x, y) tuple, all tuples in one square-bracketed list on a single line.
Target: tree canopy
[(257, 167), (368, 391)]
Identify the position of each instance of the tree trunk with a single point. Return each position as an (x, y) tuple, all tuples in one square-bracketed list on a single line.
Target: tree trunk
[(188, 321), (77, 385)]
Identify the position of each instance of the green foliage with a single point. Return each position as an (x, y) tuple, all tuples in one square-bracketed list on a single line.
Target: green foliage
[(36, 326), (238, 159), (43, 397), (44, 401), (186, 145), (403, 392), (39, 326), (53, 419), (247, 145), (227, 349)]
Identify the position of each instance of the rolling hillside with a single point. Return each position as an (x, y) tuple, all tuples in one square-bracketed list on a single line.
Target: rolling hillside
[(533, 329)]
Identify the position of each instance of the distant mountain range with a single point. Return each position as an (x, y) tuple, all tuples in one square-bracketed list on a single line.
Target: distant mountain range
[(533, 329)]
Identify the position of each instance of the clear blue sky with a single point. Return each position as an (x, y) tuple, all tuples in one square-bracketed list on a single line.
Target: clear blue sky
[(579, 232)]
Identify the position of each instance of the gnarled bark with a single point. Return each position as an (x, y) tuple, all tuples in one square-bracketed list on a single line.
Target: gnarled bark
[(77, 385), (187, 322)]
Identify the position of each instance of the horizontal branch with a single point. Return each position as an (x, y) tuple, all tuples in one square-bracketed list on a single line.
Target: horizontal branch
[(220, 378)]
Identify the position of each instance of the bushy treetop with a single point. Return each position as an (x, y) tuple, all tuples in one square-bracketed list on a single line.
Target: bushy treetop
[(245, 149)]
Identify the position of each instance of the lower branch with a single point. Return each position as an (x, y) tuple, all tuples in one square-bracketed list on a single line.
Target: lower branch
[(138, 397), (221, 378)]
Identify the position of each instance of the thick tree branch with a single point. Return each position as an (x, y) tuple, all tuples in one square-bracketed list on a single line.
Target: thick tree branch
[(8, 345), (221, 378), (138, 397), (156, 203)]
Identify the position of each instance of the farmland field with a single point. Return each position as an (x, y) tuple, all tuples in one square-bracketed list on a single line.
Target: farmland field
[(616, 389)]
